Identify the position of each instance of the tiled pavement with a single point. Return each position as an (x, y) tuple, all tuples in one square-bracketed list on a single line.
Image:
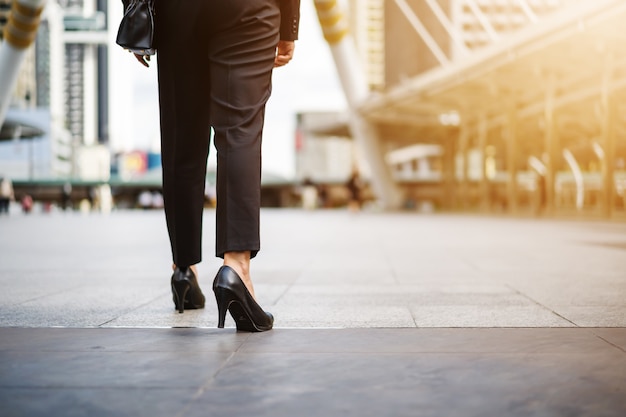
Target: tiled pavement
[(377, 314)]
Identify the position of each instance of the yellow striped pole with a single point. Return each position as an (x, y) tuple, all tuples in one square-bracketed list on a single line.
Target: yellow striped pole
[(19, 34), (334, 25), (336, 32)]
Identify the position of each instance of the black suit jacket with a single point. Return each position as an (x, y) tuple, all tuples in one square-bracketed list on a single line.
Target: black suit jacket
[(289, 20)]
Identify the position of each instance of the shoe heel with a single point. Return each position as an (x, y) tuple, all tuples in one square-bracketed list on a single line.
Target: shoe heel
[(223, 302), (180, 288)]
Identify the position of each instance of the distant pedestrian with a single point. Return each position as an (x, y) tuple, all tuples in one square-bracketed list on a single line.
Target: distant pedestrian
[(6, 194), (157, 200), (66, 196), (27, 204), (355, 188), (322, 191), (309, 194), (145, 200)]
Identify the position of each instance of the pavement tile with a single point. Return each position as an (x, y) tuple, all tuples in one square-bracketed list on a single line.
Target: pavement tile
[(352, 276), (94, 402), (15, 339), (481, 315), (341, 315), (439, 340), (451, 400), (108, 369), (593, 316)]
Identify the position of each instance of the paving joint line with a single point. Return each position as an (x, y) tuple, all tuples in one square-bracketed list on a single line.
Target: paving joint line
[(541, 305), (203, 388), (101, 325), (610, 343)]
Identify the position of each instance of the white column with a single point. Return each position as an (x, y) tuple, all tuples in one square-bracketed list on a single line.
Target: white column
[(61, 141), (90, 85), (90, 93)]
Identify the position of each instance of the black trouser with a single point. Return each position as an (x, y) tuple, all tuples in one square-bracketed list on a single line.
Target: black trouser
[(215, 60)]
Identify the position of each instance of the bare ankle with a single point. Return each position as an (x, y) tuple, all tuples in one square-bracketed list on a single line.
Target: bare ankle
[(194, 269), (240, 262)]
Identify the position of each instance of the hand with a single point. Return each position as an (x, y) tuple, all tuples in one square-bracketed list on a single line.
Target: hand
[(284, 53), (144, 59)]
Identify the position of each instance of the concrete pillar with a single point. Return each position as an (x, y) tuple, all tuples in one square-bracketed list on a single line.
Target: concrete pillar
[(484, 187), (449, 177), (463, 154), (512, 150), (550, 144), (609, 121), (464, 141)]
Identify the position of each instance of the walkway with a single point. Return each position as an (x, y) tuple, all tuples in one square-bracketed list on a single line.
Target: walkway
[(377, 314)]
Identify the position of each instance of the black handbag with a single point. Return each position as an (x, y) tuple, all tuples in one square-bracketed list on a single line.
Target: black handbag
[(136, 32)]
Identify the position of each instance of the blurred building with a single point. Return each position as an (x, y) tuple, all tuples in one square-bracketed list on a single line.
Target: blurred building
[(86, 76), (63, 91), (324, 151)]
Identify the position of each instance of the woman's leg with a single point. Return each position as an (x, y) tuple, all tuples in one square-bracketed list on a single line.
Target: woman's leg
[(241, 60), (184, 89)]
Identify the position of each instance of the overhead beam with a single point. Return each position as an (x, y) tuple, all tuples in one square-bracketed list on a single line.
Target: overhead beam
[(528, 11), (421, 30), (448, 26), (482, 19)]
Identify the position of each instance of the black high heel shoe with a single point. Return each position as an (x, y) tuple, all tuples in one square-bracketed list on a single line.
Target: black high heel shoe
[(231, 294), (185, 290)]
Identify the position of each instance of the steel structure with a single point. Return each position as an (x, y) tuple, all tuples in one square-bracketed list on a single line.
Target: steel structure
[(545, 91)]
